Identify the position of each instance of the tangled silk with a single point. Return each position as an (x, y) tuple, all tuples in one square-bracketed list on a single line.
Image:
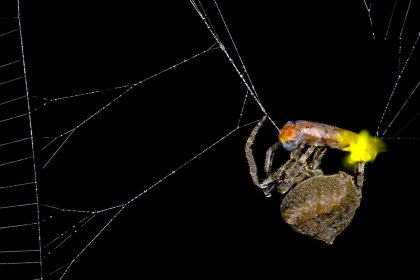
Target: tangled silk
[(362, 146)]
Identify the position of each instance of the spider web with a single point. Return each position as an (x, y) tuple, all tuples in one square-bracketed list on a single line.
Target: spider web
[(97, 149)]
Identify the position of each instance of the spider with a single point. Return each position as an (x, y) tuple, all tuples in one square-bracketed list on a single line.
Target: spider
[(318, 206)]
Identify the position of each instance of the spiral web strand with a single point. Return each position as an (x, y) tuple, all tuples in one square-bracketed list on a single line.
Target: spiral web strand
[(49, 247)]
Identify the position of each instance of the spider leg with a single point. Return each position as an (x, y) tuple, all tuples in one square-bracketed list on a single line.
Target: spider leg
[(361, 173), (285, 168), (269, 158), (318, 155), (309, 151), (294, 155), (250, 156), (275, 178), (296, 152), (299, 171), (287, 184)]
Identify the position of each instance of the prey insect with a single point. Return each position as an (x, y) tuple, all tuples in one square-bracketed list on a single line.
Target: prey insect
[(318, 206)]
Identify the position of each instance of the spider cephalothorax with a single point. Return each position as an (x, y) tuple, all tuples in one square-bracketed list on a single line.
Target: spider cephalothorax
[(318, 206)]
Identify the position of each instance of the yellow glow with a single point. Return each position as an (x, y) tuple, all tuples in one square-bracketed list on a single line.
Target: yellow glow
[(365, 148)]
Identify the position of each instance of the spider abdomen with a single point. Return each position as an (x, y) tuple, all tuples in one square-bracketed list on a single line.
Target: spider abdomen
[(322, 206)]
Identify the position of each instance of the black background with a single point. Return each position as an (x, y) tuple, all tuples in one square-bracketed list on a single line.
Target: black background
[(308, 60)]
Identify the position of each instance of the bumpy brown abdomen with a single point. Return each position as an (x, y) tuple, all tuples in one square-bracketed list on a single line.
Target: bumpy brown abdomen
[(322, 207)]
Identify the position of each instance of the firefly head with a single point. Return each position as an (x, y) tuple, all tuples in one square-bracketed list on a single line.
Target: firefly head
[(288, 132)]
